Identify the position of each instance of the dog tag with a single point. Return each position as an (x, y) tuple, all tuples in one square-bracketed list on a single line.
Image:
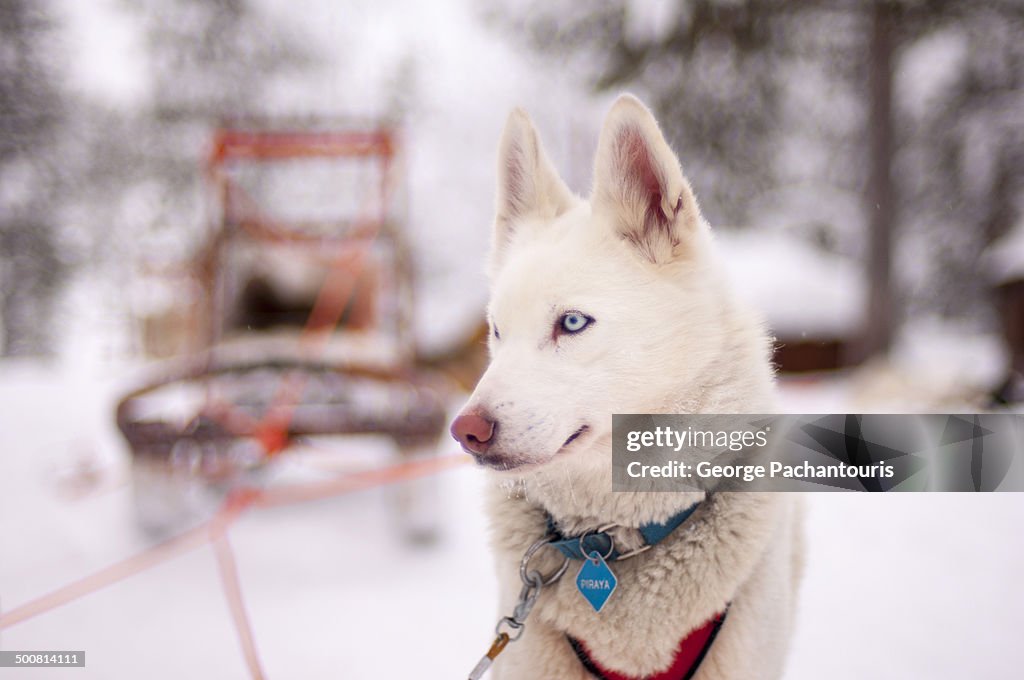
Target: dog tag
[(595, 580)]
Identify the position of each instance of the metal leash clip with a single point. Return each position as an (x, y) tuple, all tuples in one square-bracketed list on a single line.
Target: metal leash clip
[(533, 583)]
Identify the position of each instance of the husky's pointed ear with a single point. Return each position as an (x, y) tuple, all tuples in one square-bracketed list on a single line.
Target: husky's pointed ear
[(638, 180), (528, 185)]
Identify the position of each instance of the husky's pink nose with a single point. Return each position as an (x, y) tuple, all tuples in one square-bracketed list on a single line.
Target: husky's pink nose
[(474, 432)]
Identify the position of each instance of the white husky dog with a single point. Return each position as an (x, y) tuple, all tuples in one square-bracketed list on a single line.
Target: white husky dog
[(618, 304)]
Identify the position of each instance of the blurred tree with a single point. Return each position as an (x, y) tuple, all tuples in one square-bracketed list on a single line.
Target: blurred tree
[(722, 77), (134, 171), (962, 158), (709, 69), (209, 61), (31, 268), (95, 188)]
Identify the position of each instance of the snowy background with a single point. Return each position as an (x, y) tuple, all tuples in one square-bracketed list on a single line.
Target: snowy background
[(905, 586), (897, 586)]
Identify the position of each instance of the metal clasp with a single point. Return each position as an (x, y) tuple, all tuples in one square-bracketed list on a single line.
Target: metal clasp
[(525, 562), (511, 628)]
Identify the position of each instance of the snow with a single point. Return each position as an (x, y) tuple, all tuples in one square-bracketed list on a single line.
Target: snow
[(802, 292), (911, 586), (952, 352), (927, 68), (897, 586), (1004, 259), (650, 21), (109, 61)]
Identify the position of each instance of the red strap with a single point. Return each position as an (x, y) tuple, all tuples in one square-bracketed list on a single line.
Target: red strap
[(690, 653)]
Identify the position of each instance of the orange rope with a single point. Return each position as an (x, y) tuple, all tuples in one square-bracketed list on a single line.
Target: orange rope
[(216, 528), (190, 540), (233, 593)]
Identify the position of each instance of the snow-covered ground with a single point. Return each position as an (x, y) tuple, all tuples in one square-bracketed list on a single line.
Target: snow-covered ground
[(800, 290), (897, 586)]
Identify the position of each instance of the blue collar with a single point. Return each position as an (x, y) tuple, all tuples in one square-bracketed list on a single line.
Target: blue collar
[(601, 541)]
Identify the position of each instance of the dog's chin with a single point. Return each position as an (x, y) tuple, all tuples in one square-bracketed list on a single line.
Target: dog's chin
[(511, 463), (511, 466), (520, 465)]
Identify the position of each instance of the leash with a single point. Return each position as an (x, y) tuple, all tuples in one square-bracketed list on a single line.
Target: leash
[(595, 581), (510, 628)]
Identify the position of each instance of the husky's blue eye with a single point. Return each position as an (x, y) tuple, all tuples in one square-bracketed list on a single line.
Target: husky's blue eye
[(574, 322)]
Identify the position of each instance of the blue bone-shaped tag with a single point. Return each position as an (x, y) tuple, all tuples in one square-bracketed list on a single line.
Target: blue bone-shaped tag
[(596, 582)]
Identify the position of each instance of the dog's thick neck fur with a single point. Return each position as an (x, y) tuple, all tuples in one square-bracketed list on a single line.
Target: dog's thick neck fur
[(728, 535)]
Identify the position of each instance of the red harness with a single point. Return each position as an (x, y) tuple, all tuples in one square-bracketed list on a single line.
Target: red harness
[(692, 650)]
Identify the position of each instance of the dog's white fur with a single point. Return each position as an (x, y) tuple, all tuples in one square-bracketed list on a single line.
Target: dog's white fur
[(667, 337)]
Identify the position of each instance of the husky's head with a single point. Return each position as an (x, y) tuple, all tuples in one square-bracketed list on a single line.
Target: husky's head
[(603, 306)]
